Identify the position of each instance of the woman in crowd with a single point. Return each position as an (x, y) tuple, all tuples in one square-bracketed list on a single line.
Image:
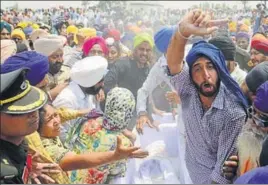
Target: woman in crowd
[(98, 133), (61, 28), (114, 52), (81, 158)]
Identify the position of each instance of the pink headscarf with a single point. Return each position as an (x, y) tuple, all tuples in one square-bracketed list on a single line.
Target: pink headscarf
[(89, 43)]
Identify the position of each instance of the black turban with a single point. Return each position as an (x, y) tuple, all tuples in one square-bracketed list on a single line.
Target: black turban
[(226, 45)]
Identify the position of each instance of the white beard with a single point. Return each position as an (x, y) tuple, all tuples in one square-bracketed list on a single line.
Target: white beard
[(249, 145)]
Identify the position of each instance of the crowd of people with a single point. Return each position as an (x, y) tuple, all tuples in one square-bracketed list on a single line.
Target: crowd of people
[(76, 83)]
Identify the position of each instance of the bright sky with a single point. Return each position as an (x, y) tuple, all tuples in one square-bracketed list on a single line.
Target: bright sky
[(48, 4)]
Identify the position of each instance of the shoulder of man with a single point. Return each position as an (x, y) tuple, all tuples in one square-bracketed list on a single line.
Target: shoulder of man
[(233, 108)]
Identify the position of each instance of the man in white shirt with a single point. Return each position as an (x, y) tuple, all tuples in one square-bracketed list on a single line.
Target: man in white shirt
[(156, 76), (87, 80)]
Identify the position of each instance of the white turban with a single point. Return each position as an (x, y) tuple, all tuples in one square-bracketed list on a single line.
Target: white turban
[(89, 71), (49, 44), (36, 34), (8, 48)]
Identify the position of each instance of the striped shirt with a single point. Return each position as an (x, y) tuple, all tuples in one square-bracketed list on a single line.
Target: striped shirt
[(210, 136)]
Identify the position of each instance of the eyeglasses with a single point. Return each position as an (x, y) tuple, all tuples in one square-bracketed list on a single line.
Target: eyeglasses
[(259, 119)]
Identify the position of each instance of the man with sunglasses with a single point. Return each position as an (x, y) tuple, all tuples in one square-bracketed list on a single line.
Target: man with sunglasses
[(251, 138)]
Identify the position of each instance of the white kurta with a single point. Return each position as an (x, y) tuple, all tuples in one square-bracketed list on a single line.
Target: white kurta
[(74, 98)]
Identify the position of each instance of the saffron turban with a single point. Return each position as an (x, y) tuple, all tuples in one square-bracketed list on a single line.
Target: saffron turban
[(260, 43)]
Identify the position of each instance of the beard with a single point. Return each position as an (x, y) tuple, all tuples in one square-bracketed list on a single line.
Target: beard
[(93, 90), (249, 144), (213, 89)]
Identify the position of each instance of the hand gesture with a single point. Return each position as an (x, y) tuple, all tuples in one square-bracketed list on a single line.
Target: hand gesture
[(197, 22), (141, 121), (122, 152), (39, 169)]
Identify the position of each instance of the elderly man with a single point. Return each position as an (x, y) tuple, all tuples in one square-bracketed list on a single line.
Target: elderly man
[(20, 103), (58, 76), (251, 138), (227, 47), (259, 49), (131, 73), (86, 81), (213, 106)]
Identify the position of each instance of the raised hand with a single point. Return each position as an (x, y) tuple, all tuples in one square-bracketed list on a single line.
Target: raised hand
[(199, 23)]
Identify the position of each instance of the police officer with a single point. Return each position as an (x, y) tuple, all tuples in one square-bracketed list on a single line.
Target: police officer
[(19, 107)]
